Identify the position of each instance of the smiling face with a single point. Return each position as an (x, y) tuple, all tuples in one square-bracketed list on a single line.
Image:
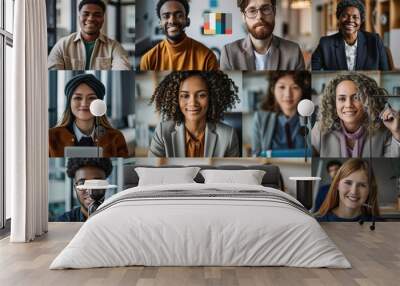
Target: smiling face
[(350, 21), (91, 19), (173, 20), (261, 26), (81, 100), (349, 106), (353, 190), (287, 94), (83, 174), (193, 99)]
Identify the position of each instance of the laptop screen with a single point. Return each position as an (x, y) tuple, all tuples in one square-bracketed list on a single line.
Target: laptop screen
[(83, 151)]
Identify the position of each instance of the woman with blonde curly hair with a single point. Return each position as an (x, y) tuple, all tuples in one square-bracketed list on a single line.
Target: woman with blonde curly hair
[(355, 120), (353, 194), (192, 105)]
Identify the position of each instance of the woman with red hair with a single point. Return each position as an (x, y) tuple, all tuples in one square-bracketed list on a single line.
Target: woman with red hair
[(352, 195)]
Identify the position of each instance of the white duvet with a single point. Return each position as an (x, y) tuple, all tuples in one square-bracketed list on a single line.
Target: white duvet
[(207, 230)]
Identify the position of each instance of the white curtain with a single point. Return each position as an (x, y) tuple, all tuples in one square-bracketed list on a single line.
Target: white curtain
[(26, 123)]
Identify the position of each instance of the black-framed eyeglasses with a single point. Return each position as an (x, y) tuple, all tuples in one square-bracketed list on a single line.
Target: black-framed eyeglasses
[(265, 10)]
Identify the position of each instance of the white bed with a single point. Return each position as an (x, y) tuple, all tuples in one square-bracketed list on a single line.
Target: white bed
[(201, 225)]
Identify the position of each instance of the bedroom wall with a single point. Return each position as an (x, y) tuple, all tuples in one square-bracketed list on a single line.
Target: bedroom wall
[(128, 95)]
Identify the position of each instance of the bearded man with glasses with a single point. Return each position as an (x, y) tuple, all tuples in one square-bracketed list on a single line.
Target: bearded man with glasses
[(261, 50)]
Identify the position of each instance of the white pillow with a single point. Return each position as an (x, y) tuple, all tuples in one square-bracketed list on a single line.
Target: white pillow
[(164, 176), (248, 177)]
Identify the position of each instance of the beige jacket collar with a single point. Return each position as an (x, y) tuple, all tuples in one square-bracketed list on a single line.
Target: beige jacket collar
[(101, 37)]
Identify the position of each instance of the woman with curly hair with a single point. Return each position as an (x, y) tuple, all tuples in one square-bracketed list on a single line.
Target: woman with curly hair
[(355, 120), (277, 124), (353, 194), (192, 104), (350, 48), (77, 126)]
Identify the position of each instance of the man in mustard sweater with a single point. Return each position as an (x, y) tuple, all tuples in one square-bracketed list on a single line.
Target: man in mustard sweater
[(177, 51)]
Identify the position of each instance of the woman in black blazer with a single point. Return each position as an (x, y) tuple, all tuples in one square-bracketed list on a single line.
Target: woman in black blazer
[(350, 48)]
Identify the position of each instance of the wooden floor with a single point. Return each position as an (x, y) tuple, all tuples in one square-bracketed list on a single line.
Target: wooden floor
[(375, 257)]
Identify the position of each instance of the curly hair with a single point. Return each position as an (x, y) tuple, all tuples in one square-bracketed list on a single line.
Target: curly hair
[(242, 4), (371, 97), (160, 3), (74, 164), (342, 5), (301, 78), (222, 95)]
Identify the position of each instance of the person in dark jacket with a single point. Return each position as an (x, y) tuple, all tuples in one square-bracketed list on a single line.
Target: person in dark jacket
[(79, 170), (350, 48), (332, 168)]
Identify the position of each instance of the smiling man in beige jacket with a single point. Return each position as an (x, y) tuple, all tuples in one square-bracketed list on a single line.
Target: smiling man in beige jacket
[(89, 49)]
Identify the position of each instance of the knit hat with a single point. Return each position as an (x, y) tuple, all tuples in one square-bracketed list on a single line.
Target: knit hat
[(90, 80)]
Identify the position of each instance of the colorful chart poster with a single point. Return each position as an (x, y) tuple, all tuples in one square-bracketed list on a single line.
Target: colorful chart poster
[(217, 23)]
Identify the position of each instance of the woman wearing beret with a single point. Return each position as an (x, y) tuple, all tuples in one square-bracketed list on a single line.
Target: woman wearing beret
[(77, 126), (350, 48)]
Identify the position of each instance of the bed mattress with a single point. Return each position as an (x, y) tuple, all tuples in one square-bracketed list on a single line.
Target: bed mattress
[(201, 225)]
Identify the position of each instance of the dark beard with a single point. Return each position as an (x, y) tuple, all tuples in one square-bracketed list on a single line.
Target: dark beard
[(262, 35), (175, 38)]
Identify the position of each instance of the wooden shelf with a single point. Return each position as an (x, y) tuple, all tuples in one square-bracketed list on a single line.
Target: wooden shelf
[(394, 14), (380, 16)]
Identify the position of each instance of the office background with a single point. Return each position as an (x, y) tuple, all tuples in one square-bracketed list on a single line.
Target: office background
[(387, 175), (298, 29), (119, 98), (382, 17), (148, 118), (119, 24)]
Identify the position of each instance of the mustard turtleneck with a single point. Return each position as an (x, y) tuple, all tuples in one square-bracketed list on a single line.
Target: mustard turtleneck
[(188, 54)]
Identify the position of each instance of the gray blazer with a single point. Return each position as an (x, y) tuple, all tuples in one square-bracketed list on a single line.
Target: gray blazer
[(169, 141), (263, 130), (239, 55), (328, 144)]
